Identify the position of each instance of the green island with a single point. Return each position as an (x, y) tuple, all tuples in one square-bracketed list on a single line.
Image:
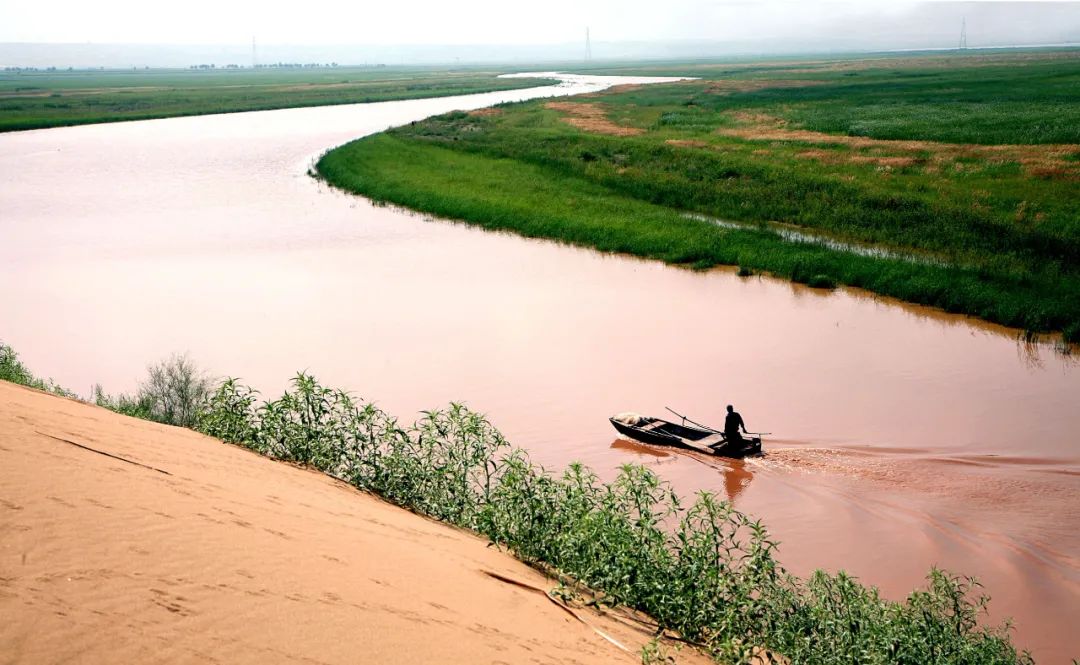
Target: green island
[(706, 573), (33, 99), (950, 180)]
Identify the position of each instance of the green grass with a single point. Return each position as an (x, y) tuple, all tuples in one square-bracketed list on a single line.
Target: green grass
[(31, 100), (992, 231), (983, 97)]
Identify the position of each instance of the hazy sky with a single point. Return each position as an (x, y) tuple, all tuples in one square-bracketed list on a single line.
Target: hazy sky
[(441, 21)]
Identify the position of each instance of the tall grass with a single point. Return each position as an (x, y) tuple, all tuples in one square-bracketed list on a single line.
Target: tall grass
[(700, 568)]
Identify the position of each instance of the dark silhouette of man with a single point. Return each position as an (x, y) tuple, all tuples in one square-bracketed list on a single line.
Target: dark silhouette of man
[(732, 423)]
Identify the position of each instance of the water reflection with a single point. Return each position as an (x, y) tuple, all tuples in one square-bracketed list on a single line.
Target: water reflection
[(639, 448), (1027, 349), (736, 474), (737, 478), (1029, 345)]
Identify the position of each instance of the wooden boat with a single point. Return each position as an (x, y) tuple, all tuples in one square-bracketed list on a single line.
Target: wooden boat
[(696, 437)]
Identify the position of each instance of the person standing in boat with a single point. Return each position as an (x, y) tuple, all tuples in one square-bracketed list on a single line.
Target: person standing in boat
[(732, 424)]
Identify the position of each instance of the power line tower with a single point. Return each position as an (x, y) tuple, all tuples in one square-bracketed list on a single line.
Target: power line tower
[(588, 46), (254, 61), (963, 33)]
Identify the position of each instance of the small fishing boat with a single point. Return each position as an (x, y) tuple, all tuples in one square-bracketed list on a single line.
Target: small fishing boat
[(687, 435)]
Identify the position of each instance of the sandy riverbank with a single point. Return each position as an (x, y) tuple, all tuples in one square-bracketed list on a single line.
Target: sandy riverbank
[(190, 550)]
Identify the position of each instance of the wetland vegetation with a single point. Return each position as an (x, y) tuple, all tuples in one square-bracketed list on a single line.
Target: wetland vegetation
[(37, 99), (703, 571), (963, 169)]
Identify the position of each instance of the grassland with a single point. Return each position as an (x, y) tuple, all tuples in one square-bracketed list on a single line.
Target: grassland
[(698, 567), (966, 168), (37, 99)]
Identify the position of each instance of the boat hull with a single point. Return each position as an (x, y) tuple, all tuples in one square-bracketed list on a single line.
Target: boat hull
[(659, 432)]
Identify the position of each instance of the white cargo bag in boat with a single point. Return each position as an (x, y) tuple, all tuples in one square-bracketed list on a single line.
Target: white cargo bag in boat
[(628, 418)]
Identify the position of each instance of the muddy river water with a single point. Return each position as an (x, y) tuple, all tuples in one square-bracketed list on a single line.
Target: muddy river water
[(902, 437)]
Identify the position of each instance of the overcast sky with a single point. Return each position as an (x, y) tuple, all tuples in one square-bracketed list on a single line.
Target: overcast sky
[(436, 21), (81, 33)]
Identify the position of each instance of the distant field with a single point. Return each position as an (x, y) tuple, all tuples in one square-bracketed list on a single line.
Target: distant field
[(984, 97), (30, 100), (965, 167)]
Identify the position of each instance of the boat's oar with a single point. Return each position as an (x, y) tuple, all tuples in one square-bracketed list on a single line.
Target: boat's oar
[(706, 427), (676, 413), (687, 420)]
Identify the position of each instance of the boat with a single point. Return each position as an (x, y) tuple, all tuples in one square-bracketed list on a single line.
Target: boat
[(688, 435)]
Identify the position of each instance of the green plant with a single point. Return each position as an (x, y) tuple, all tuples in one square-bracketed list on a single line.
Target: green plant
[(12, 369), (173, 392), (653, 652), (228, 414), (128, 405)]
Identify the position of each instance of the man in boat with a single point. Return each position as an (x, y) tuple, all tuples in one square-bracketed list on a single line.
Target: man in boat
[(732, 423)]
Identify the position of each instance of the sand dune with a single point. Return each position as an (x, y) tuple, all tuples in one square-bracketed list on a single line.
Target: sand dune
[(182, 549)]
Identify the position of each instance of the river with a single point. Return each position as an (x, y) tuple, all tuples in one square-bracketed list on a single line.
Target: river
[(902, 437)]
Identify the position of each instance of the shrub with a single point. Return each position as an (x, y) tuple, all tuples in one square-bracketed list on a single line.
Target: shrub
[(174, 393), (11, 368)]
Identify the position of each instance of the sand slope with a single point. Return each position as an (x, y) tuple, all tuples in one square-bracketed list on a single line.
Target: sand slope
[(231, 557)]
